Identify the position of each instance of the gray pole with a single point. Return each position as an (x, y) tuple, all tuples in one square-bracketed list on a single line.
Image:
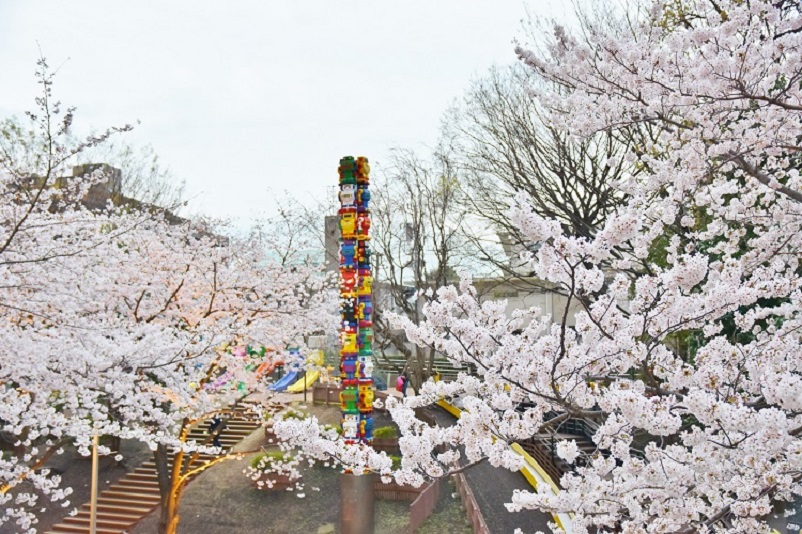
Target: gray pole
[(357, 504)]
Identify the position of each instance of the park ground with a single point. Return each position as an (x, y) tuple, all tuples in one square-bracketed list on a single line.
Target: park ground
[(222, 499)]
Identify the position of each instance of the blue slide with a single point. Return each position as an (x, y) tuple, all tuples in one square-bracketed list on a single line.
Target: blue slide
[(285, 381)]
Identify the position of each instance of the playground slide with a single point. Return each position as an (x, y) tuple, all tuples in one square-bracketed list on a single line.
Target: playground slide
[(298, 387), (267, 367), (285, 381)]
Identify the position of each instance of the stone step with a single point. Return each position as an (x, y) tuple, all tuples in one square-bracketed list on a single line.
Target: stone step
[(120, 523), (145, 468), (127, 509), (145, 474), (149, 466), (136, 494), (236, 433), (141, 485), (104, 514), (111, 503), (239, 422), (230, 437), (130, 496), (65, 528)]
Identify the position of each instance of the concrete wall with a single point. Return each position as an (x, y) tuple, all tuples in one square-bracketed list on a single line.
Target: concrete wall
[(521, 294)]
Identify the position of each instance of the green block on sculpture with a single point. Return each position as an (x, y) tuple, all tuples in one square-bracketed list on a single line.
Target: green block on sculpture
[(347, 163)]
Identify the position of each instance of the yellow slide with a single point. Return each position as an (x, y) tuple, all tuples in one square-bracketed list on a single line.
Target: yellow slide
[(298, 387)]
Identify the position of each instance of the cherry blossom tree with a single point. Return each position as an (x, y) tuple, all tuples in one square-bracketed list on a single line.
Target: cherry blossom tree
[(688, 442), (135, 350), (702, 437), (182, 305), (44, 224), (116, 322)]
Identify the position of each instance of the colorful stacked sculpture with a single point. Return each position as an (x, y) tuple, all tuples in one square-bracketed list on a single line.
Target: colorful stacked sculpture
[(356, 307)]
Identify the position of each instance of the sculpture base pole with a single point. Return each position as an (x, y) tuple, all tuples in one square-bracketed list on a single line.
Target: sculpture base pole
[(357, 504)]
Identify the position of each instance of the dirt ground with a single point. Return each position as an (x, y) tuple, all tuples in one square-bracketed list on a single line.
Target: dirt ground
[(222, 500)]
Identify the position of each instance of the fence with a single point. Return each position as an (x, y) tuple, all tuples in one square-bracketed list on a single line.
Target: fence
[(390, 365), (423, 506), (424, 500), (395, 492), (325, 394), (471, 507)]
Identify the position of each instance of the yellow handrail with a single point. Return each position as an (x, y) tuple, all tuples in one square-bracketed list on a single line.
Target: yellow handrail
[(456, 412)]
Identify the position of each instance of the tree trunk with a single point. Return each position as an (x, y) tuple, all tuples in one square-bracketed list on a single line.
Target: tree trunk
[(168, 478), (417, 370), (115, 444), (168, 518), (430, 364), (161, 456)]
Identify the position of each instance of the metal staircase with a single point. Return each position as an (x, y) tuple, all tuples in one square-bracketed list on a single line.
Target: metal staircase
[(136, 494), (543, 447)]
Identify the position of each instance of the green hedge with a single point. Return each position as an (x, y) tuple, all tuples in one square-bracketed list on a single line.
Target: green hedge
[(385, 432), (269, 458)]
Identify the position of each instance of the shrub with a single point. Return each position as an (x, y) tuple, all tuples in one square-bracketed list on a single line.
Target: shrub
[(385, 432), (265, 460), (396, 461), (293, 414)]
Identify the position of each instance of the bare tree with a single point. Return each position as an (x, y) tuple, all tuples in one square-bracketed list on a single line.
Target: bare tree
[(504, 146), (293, 233), (417, 244), (448, 211), (142, 177)]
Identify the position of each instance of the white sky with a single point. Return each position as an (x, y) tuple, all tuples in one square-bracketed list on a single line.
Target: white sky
[(246, 99)]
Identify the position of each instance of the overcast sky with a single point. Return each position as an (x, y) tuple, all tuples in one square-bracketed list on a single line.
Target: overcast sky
[(247, 99)]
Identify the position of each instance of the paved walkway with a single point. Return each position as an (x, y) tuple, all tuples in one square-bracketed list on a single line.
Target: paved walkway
[(492, 487)]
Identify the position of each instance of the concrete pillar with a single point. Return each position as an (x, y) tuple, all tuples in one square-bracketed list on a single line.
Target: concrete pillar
[(357, 504)]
